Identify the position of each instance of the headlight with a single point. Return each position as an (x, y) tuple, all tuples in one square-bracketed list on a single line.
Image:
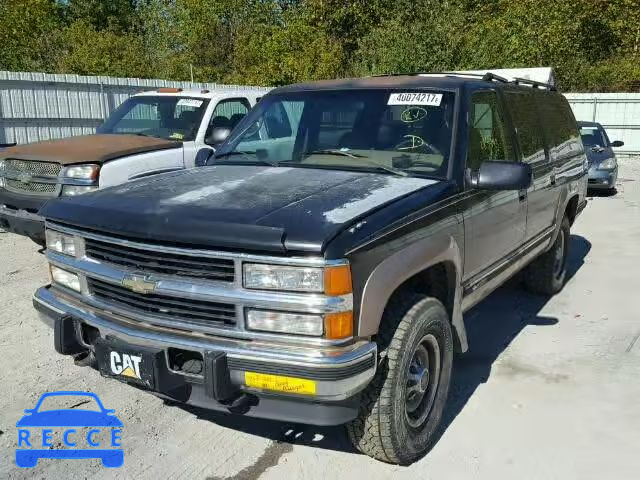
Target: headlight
[(73, 190), (83, 172), (60, 242), (279, 322), (608, 164), (330, 280), (280, 277), (65, 278)]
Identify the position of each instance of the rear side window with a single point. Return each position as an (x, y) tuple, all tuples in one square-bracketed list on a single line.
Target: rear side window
[(488, 138), (228, 113), (558, 122), (522, 106)]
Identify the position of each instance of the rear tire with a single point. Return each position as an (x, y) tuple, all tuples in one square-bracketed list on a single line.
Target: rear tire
[(547, 274), (401, 408)]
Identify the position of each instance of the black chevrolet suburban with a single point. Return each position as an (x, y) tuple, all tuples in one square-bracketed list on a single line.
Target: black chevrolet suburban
[(318, 269)]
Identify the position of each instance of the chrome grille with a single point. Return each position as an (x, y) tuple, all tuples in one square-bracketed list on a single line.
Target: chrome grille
[(43, 169), (199, 313), (25, 176), (31, 187), (169, 263)]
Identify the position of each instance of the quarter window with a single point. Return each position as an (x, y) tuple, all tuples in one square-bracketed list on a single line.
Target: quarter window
[(488, 139), (522, 107)]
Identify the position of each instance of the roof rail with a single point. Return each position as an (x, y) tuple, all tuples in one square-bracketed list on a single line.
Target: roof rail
[(487, 77), (534, 83)]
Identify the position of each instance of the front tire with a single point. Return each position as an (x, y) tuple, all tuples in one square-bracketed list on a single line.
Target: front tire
[(547, 274), (401, 408)]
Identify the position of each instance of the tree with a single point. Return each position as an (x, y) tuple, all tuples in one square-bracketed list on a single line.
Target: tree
[(28, 34), (87, 51)]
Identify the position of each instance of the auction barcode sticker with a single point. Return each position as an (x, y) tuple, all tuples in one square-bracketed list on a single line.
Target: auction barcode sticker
[(189, 102), (415, 98)]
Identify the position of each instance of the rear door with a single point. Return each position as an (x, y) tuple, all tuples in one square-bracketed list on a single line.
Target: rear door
[(495, 221), (541, 196), (564, 145)]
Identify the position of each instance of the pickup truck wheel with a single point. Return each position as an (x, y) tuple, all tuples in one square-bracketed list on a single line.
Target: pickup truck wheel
[(546, 274), (401, 408)]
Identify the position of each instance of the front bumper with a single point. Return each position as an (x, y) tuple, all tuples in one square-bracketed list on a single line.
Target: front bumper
[(602, 179), (22, 222), (339, 373)]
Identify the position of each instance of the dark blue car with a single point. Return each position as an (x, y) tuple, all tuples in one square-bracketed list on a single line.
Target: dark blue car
[(33, 418), (603, 166)]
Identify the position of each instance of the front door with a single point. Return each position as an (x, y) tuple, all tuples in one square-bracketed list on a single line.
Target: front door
[(495, 221)]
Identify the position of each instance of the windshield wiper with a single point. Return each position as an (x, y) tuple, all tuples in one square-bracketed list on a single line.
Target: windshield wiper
[(394, 171), (244, 154), (340, 153), (367, 166)]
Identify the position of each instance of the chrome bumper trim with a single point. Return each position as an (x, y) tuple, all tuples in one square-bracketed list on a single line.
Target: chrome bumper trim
[(320, 358)]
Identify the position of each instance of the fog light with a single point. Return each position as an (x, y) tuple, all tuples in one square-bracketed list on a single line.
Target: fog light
[(65, 278), (280, 322)]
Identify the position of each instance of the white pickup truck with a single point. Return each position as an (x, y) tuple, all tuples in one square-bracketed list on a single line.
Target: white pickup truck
[(152, 132)]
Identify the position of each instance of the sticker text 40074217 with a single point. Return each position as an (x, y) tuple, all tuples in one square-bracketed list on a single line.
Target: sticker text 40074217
[(415, 98)]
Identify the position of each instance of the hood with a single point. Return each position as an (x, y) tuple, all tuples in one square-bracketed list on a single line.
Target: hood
[(97, 148), (596, 154), (256, 208)]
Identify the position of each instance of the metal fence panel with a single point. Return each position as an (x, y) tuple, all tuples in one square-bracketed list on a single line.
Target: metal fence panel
[(39, 106)]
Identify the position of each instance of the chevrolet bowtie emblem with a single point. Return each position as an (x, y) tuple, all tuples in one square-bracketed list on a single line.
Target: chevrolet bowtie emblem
[(24, 177), (139, 283)]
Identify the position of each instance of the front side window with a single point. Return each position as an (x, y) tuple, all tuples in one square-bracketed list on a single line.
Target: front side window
[(169, 117), (407, 133), (488, 139)]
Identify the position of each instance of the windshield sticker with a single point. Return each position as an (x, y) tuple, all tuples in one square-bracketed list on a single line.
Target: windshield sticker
[(176, 136), (413, 114), (411, 142), (189, 102), (430, 99)]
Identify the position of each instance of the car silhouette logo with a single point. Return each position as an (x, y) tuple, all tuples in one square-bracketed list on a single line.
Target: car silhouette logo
[(27, 457)]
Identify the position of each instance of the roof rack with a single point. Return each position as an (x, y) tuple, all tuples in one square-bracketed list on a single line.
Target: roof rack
[(487, 77), (534, 83)]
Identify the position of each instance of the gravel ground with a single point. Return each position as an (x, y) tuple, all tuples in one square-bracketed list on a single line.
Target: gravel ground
[(549, 389)]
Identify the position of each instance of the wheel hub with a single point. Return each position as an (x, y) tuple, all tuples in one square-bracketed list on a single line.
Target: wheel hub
[(422, 380)]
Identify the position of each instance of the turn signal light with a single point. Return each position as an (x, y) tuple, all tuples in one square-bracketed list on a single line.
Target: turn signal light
[(337, 280), (338, 325)]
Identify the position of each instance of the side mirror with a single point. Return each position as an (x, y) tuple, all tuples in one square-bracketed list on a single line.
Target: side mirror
[(494, 175), (617, 143), (217, 136), (202, 157)]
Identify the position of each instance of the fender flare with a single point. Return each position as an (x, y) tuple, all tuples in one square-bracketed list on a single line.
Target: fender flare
[(403, 264)]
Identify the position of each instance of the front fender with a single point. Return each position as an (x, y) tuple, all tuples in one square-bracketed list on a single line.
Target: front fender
[(440, 243)]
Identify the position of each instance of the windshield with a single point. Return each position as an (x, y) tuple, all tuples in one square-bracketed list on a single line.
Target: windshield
[(169, 117), (592, 136), (392, 131)]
